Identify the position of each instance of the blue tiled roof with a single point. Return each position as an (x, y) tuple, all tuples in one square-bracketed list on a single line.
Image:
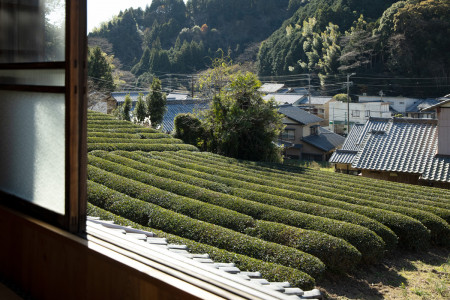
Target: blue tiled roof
[(298, 114), (180, 107), (325, 140)]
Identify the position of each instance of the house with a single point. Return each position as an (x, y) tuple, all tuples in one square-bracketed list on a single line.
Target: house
[(101, 103), (317, 105), (397, 104), (416, 109), (360, 112), (406, 150), (270, 88), (304, 138), (120, 97), (284, 99)]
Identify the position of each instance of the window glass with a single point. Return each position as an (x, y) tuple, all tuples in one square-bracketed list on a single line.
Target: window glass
[(32, 152), (32, 31), (49, 77)]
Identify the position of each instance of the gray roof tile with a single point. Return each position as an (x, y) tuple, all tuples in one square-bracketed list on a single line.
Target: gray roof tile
[(325, 140), (298, 114), (408, 146)]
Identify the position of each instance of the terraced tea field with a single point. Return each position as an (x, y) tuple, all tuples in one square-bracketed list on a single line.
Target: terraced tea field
[(291, 224)]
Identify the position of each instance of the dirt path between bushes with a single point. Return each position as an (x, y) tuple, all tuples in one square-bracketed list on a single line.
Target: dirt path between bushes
[(400, 275)]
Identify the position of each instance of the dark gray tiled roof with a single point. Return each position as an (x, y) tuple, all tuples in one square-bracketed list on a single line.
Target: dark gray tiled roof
[(180, 107), (443, 100), (422, 104), (160, 247), (325, 140), (406, 145), (298, 114)]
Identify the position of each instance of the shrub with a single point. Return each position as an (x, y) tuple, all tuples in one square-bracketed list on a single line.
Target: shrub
[(151, 215), (270, 271)]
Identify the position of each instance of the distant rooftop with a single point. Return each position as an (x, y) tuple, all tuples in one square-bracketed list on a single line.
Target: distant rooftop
[(297, 114), (281, 99), (267, 88)]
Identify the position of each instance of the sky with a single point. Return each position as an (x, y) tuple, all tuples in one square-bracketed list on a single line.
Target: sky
[(100, 11)]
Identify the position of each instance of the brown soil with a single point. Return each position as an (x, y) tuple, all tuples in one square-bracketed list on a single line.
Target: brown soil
[(400, 275)]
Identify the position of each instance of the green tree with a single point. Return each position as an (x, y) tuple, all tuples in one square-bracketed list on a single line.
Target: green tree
[(141, 108), (99, 70), (241, 124), (156, 103), (126, 109), (189, 128)]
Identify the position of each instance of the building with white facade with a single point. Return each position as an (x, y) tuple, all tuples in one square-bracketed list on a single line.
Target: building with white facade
[(360, 112)]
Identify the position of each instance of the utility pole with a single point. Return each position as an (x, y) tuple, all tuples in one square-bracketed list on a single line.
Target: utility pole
[(381, 95), (348, 102), (192, 86), (309, 93)]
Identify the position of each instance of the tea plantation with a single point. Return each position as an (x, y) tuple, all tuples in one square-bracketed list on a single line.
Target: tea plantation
[(291, 224)]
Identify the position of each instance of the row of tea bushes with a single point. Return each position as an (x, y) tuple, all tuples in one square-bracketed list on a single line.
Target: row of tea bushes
[(338, 188), (391, 189), (270, 271), (411, 233), (368, 243), (140, 147), (167, 167), (153, 216), (337, 254), (440, 230)]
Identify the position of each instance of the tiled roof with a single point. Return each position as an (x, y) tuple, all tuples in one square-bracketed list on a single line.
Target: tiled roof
[(399, 145), (154, 246), (443, 101), (298, 114), (282, 99), (271, 87), (120, 96), (325, 140), (316, 100), (422, 104), (180, 107)]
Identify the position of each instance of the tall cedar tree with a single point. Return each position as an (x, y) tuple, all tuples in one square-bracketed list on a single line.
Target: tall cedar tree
[(141, 108), (156, 103), (127, 108)]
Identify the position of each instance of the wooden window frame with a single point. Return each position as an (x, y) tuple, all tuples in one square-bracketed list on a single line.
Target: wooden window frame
[(74, 217)]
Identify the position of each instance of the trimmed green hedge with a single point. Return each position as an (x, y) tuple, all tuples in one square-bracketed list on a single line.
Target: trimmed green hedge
[(139, 129), (183, 205), (156, 135), (338, 188), (324, 246), (149, 163), (411, 233), (102, 140), (151, 215), (140, 147), (440, 230), (270, 271)]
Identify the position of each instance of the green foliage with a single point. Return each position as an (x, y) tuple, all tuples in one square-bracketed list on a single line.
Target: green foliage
[(261, 206), (270, 271), (99, 70), (156, 103), (241, 124), (345, 256), (151, 215), (141, 108), (188, 128), (126, 108)]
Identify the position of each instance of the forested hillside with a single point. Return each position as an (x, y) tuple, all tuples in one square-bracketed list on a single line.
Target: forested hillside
[(382, 38), (325, 38), (169, 36)]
